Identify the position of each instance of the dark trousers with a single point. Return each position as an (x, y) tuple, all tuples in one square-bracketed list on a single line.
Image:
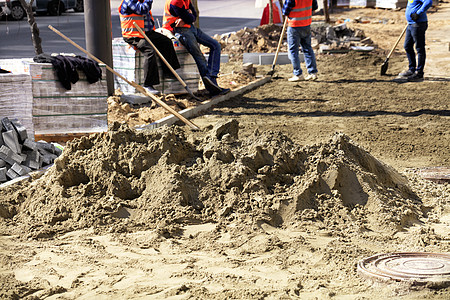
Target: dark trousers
[(165, 47), (415, 34)]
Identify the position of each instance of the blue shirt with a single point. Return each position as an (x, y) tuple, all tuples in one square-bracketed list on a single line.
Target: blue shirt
[(419, 7), (138, 7)]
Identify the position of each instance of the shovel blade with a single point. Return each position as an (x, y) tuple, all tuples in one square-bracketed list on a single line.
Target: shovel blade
[(384, 67)]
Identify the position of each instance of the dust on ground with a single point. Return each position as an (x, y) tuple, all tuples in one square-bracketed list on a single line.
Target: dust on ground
[(279, 196)]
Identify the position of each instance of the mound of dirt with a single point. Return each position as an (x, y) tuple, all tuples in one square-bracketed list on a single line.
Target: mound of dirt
[(265, 38), (131, 180)]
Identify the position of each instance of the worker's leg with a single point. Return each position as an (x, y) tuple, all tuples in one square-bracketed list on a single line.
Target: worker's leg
[(305, 42), (151, 76), (214, 52), (165, 47), (419, 38), (293, 39), (187, 38), (409, 49)]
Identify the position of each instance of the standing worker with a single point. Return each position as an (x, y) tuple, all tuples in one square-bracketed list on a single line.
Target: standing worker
[(179, 18), (416, 16), (139, 11), (299, 14)]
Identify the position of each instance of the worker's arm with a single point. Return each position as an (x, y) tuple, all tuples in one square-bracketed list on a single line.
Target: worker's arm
[(287, 7), (425, 6), (177, 10)]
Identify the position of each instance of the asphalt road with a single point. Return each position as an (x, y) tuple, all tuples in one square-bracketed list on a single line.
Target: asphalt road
[(215, 18)]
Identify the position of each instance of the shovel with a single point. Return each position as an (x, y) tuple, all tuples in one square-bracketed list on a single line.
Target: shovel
[(132, 83), (270, 73), (167, 63), (385, 65)]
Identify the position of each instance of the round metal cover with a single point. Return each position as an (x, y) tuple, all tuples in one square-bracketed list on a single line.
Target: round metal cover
[(414, 266), (436, 174)]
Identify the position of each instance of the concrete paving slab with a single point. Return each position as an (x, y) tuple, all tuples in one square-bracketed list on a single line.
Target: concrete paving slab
[(9, 156)]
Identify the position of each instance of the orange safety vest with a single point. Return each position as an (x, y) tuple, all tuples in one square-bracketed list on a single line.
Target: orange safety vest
[(300, 15), (168, 19), (126, 23)]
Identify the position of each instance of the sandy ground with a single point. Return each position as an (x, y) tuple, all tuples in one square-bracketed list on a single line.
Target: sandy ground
[(279, 196)]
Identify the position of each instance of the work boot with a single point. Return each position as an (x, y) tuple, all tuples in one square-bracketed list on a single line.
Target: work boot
[(211, 86), (150, 89), (416, 77), (406, 73), (296, 78)]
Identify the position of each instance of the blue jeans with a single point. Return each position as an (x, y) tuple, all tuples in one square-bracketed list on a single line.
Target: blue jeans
[(190, 38), (297, 36), (415, 34)]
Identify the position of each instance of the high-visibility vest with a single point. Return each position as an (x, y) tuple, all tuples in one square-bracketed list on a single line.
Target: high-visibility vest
[(126, 23), (168, 19), (300, 15)]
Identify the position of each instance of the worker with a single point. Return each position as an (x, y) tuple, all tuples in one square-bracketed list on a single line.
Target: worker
[(139, 11), (179, 18), (416, 16), (299, 14)]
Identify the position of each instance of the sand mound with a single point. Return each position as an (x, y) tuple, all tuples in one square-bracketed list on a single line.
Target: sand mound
[(128, 180)]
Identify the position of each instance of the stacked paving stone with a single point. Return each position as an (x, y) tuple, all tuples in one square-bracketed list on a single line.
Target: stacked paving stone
[(20, 155)]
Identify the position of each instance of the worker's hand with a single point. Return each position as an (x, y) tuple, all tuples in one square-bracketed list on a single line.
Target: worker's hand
[(414, 17)]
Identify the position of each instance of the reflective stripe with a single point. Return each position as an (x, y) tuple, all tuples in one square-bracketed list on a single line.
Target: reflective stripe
[(129, 29), (137, 18), (301, 9), (300, 19)]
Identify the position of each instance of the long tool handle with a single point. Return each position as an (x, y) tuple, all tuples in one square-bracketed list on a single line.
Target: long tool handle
[(280, 42), (398, 40), (160, 55), (134, 84)]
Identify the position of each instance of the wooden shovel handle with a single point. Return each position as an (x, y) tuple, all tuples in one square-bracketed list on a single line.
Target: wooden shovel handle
[(280, 42), (160, 55), (132, 83), (398, 40)]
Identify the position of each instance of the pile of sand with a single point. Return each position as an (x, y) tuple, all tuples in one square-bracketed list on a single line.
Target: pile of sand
[(125, 180)]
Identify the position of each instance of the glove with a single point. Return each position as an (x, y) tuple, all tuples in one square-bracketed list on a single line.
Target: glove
[(414, 17)]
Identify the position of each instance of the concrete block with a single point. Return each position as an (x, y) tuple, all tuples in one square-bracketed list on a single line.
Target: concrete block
[(1, 139), (251, 58), (46, 146), (11, 174), (20, 129), (19, 169), (3, 175), (7, 125), (224, 58), (47, 157), (9, 156), (29, 144), (2, 163), (11, 140), (283, 58), (35, 165)]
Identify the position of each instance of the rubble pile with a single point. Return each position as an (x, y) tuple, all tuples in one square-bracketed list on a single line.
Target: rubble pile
[(19, 155), (264, 39)]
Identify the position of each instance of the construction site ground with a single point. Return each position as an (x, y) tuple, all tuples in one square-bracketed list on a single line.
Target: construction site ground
[(279, 195)]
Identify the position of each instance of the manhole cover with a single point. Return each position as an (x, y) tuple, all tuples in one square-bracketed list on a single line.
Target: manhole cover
[(437, 174), (415, 266)]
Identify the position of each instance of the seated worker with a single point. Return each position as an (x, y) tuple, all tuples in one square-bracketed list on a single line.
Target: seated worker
[(179, 18), (139, 11)]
